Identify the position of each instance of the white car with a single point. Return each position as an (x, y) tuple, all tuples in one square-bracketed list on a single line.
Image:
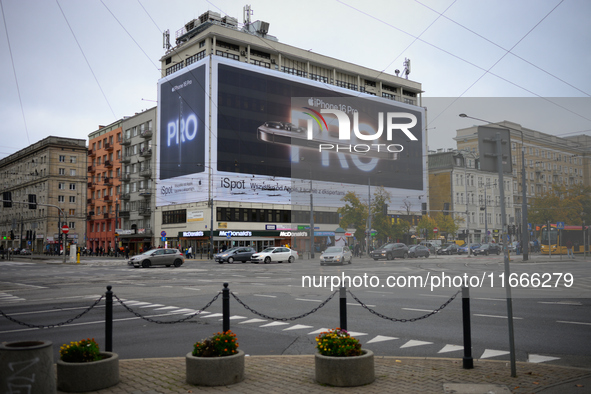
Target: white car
[(278, 254), (336, 255)]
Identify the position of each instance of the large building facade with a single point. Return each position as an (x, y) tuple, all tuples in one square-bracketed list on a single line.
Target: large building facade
[(230, 165), (54, 171), (104, 186)]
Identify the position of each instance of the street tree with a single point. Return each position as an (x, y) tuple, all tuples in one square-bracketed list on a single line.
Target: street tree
[(447, 224), (426, 226), (353, 214)]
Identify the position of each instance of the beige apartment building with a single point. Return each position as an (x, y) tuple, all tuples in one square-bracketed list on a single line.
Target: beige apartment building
[(549, 160), (52, 170)]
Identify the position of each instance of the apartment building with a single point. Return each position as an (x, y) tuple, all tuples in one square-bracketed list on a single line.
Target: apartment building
[(53, 171), (459, 188), (549, 160), (104, 186), (136, 209)]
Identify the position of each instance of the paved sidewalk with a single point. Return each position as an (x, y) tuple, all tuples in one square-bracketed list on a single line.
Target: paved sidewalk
[(295, 374)]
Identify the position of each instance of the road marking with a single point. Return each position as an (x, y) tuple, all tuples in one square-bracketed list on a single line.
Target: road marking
[(434, 295), (574, 322), (297, 327), (213, 315), (25, 285), (498, 317), (381, 338), (413, 343), (191, 288), (357, 304), (560, 303), (491, 299), (151, 306), (264, 295), (318, 331), (536, 358), (166, 307), (253, 321), (356, 334), (418, 310), (236, 317), (275, 323), (303, 299), (488, 353), (451, 348)]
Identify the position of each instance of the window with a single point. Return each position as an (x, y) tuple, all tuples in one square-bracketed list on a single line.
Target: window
[(72, 224), (62, 159), (71, 212), (72, 186), (72, 172), (60, 199), (72, 199), (62, 171), (61, 186), (174, 216), (72, 159)]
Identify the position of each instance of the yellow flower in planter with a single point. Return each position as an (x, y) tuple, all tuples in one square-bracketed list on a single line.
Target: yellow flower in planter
[(338, 343)]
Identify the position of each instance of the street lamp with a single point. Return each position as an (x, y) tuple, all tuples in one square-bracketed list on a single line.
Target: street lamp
[(524, 228)]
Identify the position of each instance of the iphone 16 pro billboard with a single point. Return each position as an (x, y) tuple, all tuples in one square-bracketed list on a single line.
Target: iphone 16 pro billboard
[(182, 126), (263, 122)]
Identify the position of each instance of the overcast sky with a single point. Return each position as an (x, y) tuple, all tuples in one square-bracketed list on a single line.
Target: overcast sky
[(68, 66)]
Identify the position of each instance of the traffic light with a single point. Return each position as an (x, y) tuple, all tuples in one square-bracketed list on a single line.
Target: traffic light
[(11, 234), (32, 201), (7, 197)]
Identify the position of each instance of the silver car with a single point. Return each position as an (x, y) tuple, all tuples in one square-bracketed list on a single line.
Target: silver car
[(336, 255), (154, 257)]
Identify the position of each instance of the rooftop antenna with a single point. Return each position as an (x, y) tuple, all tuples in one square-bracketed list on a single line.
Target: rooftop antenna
[(406, 65), (247, 12), (166, 39)]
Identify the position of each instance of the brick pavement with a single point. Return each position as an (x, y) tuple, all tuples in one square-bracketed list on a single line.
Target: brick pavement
[(295, 374)]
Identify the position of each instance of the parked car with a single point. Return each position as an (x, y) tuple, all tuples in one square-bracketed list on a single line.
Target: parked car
[(390, 251), (26, 251), (449, 248), (463, 249), (487, 249), (278, 254), (153, 257), (418, 251), (242, 254), (432, 246), (336, 255), (474, 246)]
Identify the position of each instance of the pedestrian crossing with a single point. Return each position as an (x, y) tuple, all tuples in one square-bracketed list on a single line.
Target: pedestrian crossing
[(7, 298), (364, 338)]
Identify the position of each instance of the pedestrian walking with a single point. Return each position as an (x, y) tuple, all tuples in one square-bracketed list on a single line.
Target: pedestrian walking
[(127, 252), (569, 249), (190, 252)]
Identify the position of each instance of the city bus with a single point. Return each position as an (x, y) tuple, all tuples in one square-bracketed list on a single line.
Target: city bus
[(555, 240)]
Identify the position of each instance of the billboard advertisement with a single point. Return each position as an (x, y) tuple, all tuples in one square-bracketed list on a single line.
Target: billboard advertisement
[(182, 131), (261, 150)]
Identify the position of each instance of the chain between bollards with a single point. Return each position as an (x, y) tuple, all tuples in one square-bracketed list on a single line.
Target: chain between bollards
[(109, 320)]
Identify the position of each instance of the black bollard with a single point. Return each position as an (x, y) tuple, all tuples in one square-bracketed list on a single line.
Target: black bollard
[(467, 360), (343, 307), (109, 320), (226, 308)]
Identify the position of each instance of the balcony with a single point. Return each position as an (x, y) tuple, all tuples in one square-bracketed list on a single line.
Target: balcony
[(146, 173), (107, 198), (146, 211), (91, 185), (109, 146), (89, 201), (108, 181), (108, 163), (88, 217), (126, 177), (106, 215), (125, 197), (145, 192), (91, 168), (91, 153), (126, 141), (124, 214), (125, 159), (147, 134), (146, 152)]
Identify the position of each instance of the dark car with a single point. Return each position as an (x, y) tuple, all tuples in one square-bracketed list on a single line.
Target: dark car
[(242, 254), (418, 251), (450, 248), (390, 251), (487, 249)]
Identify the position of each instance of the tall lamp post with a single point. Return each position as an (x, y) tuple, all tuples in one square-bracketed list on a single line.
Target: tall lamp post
[(210, 203), (524, 228)]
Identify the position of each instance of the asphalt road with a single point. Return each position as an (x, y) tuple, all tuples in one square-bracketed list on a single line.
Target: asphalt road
[(551, 324)]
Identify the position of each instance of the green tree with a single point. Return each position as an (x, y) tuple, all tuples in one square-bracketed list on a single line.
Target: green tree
[(379, 221), (569, 204), (426, 225), (447, 224), (353, 214)]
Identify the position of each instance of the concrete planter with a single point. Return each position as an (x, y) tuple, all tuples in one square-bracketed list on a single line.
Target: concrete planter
[(345, 371), (92, 376), (215, 371), (27, 366)]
